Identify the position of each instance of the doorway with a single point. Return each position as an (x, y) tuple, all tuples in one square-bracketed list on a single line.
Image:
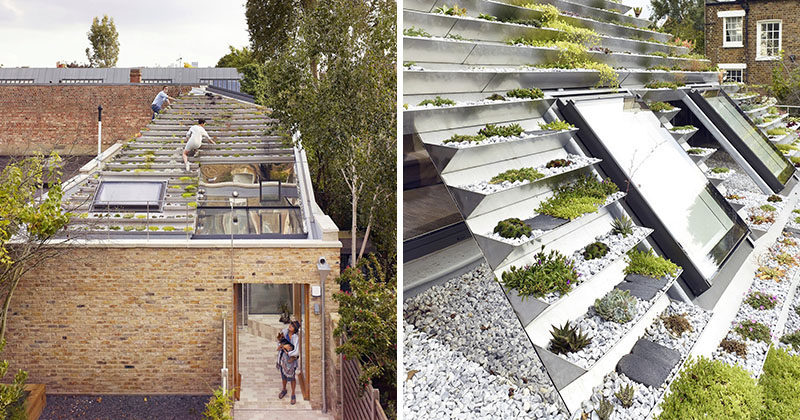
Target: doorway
[(259, 314)]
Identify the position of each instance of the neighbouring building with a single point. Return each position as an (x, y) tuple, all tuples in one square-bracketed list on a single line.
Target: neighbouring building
[(745, 37), (164, 271)]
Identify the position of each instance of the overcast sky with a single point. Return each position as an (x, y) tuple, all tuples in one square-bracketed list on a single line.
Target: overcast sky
[(37, 33)]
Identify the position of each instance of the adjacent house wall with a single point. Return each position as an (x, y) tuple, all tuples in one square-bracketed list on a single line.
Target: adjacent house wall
[(64, 117), (147, 320), (757, 72)]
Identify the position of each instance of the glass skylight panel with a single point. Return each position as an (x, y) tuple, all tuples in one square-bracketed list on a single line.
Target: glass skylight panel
[(136, 195)]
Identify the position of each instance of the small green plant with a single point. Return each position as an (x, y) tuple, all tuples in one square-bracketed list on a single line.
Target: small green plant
[(625, 395), (780, 383), (658, 84), (438, 101), (556, 125), (720, 170), (128, 228), (677, 324), (712, 389), (551, 272), (532, 93), (683, 128), (769, 273), (622, 226), (734, 347), (114, 227), (496, 97), (595, 250), (460, 138), (647, 263), (451, 11), (785, 258), (412, 31), (456, 37), (512, 228), (605, 409), (660, 106), (192, 204), (153, 228), (570, 201), (761, 300), (188, 194), (568, 339), (778, 131), (774, 198), (694, 151), (168, 228), (734, 197), (219, 406), (792, 339), (753, 330), (616, 306), (510, 130), (767, 207), (513, 175), (558, 163), (484, 16)]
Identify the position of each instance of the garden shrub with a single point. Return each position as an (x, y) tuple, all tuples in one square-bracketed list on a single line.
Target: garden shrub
[(556, 125), (459, 138), (219, 406), (647, 263), (657, 84), (532, 93), (412, 31), (768, 207), (720, 170), (491, 130), (792, 339), (496, 97), (551, 272), (753, 330), (761, 300), (616, 306), (707, 389), (683, 128), (586, 195), (451, 11), (512, 175), (780, 384), (512, 228), (661, 107), (774, 198), (694, 151), (484, 16), (438, 101)]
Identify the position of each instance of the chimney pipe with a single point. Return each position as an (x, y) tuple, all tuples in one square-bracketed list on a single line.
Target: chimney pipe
[(136, 76)]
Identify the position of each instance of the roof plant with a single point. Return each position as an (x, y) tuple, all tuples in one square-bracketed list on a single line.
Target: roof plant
[(647, 263), (556, 125), (780, 383), (570, 201), (548, 273), (661, 107), (616, 306), (438, 101), (514, 175), (512, 228)]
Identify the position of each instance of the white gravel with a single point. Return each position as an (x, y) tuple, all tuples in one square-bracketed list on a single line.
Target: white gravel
[(470, 315), (485, 187), (499, 139)]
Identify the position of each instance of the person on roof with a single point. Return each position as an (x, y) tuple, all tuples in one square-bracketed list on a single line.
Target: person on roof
[(158, 102), (194, 139)]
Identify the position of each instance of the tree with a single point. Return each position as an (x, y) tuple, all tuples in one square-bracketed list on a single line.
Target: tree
[(29, 219), (237, 58), (335, 83), (272, 24), (685, 19), (368, 325), (104, 41)]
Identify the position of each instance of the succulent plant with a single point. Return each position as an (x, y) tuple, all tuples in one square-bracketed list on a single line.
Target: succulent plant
[(622, 226), (568, 339), (616, 306), (558, 163), (496, 97), (512, 228), (677, 324), (605, 410), (625, 395), (595, 250), (491, 130), (774, 198), (734, 346)]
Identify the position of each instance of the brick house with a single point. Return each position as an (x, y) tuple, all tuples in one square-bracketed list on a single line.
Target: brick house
[(745, 37), (160, 261)]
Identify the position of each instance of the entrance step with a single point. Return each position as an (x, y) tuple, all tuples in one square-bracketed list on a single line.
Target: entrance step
[(255, 414)]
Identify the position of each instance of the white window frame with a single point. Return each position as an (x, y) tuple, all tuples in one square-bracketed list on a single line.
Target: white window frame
[(759, 55), (734, 66), (725, 16)]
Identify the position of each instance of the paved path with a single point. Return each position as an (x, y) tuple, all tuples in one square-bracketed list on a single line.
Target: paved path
[(261, 384)]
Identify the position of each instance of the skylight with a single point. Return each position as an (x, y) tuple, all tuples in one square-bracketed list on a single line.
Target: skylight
[(127, 195)]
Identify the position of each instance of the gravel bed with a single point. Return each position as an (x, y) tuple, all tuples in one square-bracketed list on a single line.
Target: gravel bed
[(471, 316), (722, 176), (604, 334), (471, 103), (792, 324), (499, 139), (537, 232), (646, 398), (444, 384), (144, 407), (756, 350), (485, 187)]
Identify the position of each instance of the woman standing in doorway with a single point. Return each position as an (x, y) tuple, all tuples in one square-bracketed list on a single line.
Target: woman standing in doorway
[(288, 353)]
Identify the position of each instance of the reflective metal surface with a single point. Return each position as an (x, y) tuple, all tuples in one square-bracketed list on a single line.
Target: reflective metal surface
[(422, 120)]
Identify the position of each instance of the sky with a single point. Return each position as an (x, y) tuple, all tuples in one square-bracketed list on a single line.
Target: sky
[(38, 33)]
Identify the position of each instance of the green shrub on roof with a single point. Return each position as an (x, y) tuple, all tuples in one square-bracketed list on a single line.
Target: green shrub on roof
[(780, 383)]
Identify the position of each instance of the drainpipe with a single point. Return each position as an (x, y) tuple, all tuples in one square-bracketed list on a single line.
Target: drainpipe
[(746, 7), (99, 131), (324, 269)]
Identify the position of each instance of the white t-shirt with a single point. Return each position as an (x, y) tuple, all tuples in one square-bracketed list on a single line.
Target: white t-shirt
[(195, 135), (160, 98)]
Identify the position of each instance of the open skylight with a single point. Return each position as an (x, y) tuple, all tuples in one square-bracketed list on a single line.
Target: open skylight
[(129, 195)]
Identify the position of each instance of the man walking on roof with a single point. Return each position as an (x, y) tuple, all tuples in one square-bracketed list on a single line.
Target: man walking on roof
[(158, 102), (194, 139)]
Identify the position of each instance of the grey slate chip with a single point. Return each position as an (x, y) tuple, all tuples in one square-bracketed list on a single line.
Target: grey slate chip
[(545, 222)]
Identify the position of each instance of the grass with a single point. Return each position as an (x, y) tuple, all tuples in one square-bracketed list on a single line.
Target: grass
[(780, 384), (647, 263)]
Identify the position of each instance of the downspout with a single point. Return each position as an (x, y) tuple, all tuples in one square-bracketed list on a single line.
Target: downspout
[(746, 7)]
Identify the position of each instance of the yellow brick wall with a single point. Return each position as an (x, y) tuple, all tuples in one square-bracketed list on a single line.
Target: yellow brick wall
[(148, 320)]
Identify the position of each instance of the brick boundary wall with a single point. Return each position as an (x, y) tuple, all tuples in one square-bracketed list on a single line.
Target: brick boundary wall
[(148, 320), (64, 117), (757, 72)]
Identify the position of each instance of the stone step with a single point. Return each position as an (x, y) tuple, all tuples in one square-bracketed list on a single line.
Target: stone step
[(649, 363)]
